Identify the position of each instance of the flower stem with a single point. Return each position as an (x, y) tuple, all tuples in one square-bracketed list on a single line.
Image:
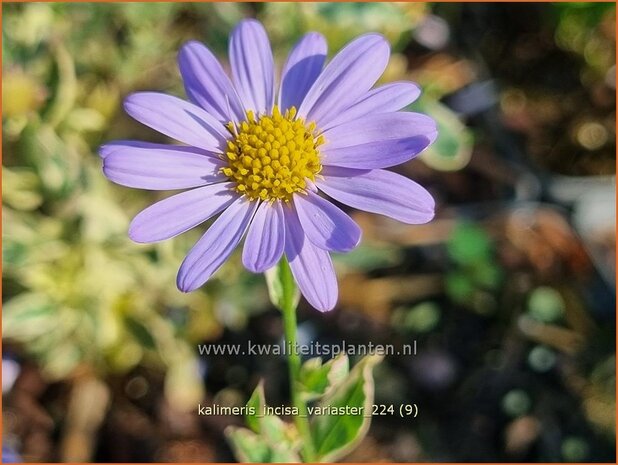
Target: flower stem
[(289, 323)]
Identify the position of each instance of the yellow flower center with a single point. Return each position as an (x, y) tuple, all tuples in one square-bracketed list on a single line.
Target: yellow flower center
[(271, 157)]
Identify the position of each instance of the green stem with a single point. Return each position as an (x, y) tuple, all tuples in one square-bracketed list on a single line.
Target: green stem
[(289, 323)]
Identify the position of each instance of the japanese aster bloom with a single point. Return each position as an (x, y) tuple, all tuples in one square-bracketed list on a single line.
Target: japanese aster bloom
[(260, 159)]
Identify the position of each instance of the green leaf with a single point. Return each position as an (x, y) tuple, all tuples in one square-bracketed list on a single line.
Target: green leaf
[(336, 435), (61, 360), (339, 369), (317, 379), (28, 316), (313, 378), (249, 447), (282, 454), (270, 427), (55, 162), (274, 430), (67, 88), (21, 188), (256, 403), (453, 148)]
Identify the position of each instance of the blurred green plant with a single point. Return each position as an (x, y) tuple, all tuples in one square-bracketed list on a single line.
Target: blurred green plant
[(582, 28), (542, 358), (79, 296), (420, 318), (516, 402), (341, 22), (452, 149), (475, 274), (546, 305)]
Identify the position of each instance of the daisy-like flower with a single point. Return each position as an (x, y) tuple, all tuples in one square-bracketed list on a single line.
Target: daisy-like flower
[(261, 160)]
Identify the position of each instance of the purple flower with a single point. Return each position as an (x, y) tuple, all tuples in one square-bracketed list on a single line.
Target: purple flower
[(260, 159)]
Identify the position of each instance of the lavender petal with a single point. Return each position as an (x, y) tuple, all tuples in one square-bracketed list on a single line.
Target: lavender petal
[(311, 266), (252, 66), (301, 69), (327, 226), (206, 83), (378, 141), (265, 238), (384, 99), (181, 212), (378, 191), (178, 119), (351, 73), (158, 166), (216, 245)]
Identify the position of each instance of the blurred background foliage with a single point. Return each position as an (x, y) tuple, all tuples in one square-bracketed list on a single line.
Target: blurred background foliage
[(510, 292)]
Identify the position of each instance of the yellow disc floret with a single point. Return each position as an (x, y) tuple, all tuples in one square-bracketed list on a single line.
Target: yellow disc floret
[(272, 157)]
